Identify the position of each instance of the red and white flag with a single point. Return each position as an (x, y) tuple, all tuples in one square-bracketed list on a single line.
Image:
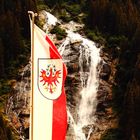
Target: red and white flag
[(49, 117)]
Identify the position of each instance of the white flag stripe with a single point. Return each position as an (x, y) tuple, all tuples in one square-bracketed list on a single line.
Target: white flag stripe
[(43, 34), (41, 46), (42, 108)]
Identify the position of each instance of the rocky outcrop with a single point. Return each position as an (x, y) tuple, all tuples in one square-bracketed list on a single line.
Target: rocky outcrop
[(106, 117), (18, 105)]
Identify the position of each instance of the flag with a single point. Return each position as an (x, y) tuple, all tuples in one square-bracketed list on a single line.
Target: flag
[(49, 117)]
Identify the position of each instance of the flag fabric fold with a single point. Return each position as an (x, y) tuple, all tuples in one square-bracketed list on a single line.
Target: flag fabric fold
[(49, 99)]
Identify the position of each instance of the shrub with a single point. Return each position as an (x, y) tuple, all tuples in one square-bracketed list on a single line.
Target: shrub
[(115, 41), (60, 33), (65, 16), (73, 9), (4, 87), (70, 11), (95, 36)]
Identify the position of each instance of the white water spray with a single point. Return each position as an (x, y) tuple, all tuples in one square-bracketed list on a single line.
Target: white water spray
[(88, 102), (89, 58)]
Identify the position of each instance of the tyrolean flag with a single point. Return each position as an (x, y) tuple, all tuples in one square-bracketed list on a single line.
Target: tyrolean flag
[(49, 117)]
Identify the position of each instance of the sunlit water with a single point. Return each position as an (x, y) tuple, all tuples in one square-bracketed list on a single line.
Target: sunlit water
[(89, 57)]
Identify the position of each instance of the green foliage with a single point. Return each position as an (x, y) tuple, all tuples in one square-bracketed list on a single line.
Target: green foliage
[(115, 41), (5, 87), (112, 134), (73, 9), (73, 12), (123, 76), (67, 10), (95, 36), (60, 33), (65, 16), (41, 5), (59, 3)]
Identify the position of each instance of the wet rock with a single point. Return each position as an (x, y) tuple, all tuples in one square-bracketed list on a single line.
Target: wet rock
[(109, 97), (75, 41), (67, 53), (101, 96), (73, 58), (104, 88), (105, 72), (26, 133), (76, 47), (101, 106), (25, 122), (15, 121), (72, 79), (109, 111), (73, 67), (87, 128), (25, 112)]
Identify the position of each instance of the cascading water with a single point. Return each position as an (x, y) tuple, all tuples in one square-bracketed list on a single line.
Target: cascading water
[(89, 59), (88, 102)]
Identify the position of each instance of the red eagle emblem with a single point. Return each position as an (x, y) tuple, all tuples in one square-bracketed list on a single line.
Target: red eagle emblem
[(50, 78)]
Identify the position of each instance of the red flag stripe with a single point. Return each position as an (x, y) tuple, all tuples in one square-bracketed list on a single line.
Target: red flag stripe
[(59, 126), (54, 51)]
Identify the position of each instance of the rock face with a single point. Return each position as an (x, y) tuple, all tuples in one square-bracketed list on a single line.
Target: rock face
[(18, 105), (106, 118), (105, 71)]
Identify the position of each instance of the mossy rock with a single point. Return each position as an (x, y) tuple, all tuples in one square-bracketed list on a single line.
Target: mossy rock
[(60, 33), (95, 36), (65, 16), (73, 9)]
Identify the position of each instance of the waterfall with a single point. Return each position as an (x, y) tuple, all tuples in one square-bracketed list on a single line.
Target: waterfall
[(88, 102), (81, 122), (89, 59)]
